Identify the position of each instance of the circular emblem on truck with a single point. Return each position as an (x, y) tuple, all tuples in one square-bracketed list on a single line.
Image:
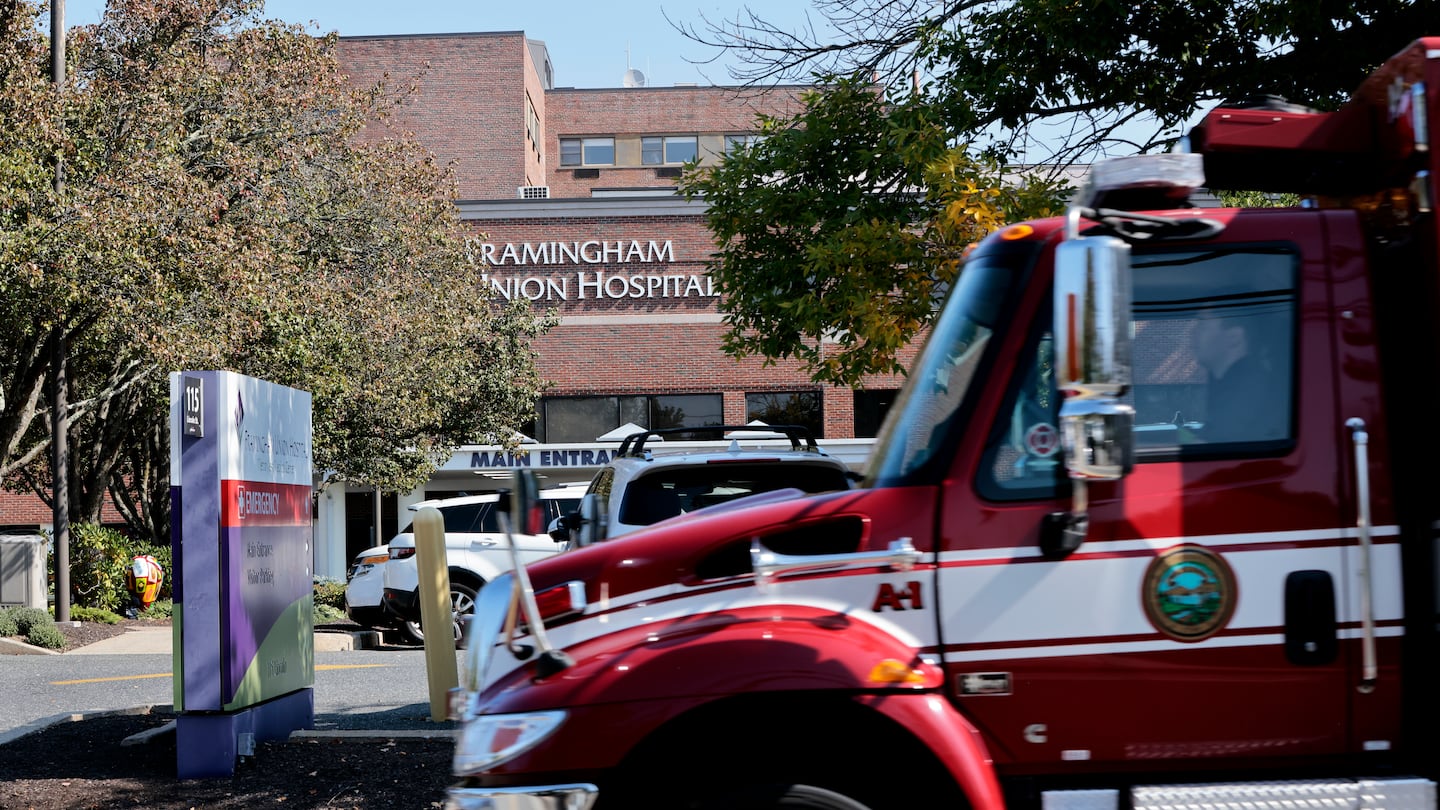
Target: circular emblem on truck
[(1189, 593)]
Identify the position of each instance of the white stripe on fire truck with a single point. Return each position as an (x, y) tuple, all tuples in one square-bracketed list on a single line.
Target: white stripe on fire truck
[(1093, 603), (983, 609)]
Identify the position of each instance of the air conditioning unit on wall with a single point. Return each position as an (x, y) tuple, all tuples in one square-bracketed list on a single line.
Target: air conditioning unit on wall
[(533, 192)]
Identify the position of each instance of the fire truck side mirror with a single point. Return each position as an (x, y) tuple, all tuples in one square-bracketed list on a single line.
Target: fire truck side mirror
[(1092, 356), (1092, 317), (1092, 368), (1097, 438)]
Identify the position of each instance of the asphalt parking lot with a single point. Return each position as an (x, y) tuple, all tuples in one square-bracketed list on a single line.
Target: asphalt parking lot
[(383, 688)]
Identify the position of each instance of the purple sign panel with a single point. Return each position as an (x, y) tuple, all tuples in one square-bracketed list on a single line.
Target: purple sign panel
[(243, 540)]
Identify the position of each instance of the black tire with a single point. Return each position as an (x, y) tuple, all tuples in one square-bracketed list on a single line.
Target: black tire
[(462, 603), (772, 797), (410, 632)]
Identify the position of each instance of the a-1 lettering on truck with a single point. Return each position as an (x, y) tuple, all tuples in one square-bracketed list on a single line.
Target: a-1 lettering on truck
[(1075, 578)]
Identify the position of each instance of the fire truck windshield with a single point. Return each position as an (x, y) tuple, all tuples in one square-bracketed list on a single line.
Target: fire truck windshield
[(918, 428)]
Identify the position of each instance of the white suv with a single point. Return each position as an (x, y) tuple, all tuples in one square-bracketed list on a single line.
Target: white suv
[(641, 487), (475, 553)]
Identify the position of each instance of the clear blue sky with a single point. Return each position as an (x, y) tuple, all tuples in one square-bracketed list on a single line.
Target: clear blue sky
[(588, 41)]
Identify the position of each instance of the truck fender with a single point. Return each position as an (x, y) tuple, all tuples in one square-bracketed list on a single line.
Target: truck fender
[(951, 737), (743, 650)]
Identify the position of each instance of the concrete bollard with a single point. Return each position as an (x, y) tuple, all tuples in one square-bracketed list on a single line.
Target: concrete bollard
[(436, 619)]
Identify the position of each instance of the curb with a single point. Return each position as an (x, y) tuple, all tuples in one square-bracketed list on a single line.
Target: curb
[(10, 646), (146, 737), (74, 717), (369, 734), (337, 640)]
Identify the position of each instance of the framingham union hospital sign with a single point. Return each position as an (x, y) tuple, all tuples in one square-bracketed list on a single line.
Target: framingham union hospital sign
[(583, 285)]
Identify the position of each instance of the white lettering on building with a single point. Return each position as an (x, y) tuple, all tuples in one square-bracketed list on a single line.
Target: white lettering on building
[(592, 251), (598, 285)]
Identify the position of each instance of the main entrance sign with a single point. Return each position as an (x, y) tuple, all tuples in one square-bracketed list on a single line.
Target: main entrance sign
[(242, 538)]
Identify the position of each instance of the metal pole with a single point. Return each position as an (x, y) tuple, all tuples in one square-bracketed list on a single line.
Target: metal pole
[(379, 523), (59, 401)]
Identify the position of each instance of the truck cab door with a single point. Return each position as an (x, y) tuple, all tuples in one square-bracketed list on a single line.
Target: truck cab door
[(1204, 621)]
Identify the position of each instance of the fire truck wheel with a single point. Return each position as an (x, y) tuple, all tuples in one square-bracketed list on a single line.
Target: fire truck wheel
[(796, 797)]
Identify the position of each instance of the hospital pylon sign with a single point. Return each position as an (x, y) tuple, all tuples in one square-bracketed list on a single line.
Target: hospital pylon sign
[(242, 537)]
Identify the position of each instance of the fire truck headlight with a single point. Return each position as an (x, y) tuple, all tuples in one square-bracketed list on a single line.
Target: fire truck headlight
[(488, 740)]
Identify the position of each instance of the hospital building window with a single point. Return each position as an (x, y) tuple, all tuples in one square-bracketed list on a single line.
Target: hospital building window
[(734, 142), (585, 419), (587, 151), (870, 410), (668, 149), (787, 408)]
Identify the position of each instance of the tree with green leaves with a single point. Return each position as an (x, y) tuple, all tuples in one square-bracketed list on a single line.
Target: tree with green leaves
[(837, 231), (1060, 82), (960, 115), (224, 208)]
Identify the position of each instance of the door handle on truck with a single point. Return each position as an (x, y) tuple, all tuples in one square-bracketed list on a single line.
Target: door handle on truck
[(768, 565), (1369, 671), (1310, 635)]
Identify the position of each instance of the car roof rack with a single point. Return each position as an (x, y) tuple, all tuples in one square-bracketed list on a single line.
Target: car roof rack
[(799, 436)]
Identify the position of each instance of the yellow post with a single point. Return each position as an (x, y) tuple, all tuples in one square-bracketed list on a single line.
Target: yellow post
[(436, 621)]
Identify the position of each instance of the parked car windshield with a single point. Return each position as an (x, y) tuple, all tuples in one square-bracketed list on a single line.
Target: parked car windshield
[(667, 493)]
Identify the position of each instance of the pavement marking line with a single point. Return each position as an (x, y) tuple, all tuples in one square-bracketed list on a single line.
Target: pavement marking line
[(107, 680), (170, 674)]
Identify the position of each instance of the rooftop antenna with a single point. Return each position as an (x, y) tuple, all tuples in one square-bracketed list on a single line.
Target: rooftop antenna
[(633, 77)]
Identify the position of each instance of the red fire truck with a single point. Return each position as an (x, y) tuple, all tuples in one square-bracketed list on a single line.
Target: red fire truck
[(1152, 525)]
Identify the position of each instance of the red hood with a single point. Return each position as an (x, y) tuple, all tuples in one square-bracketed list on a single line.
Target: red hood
[(709, 546)]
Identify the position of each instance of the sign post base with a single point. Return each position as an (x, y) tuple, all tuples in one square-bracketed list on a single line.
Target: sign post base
[(208, 744)]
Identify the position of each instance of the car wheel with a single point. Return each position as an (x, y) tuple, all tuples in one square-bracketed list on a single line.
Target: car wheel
[(411, 633), (462, 603)]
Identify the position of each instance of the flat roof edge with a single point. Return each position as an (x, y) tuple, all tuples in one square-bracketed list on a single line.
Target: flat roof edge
[(450, 35), (579, 207)]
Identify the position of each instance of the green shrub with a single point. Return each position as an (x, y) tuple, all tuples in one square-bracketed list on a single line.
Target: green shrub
[(34, 624), (46, 635), (162, 609), (8, 627), (330, 593), (99, 558), (325, 614), (27, 618), (97, 615)]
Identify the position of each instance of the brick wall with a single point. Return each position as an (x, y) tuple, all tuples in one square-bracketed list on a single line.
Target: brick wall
[(29, 512), (469, 104), (472, 92), (648, 111)]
